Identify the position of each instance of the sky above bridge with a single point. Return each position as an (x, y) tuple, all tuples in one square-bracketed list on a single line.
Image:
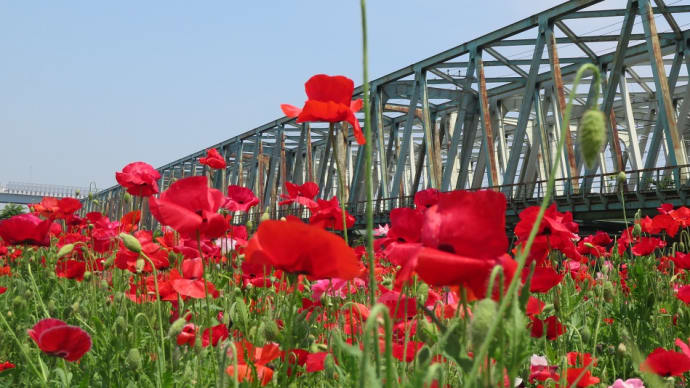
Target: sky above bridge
[(87, 86)]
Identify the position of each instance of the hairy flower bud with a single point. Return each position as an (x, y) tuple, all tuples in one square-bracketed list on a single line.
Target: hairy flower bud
[(176, 327), (65, 250), (592, 135), (484, 315), (133, 359), (131, 242)]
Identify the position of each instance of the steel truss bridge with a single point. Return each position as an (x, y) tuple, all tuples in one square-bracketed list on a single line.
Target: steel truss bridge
[(487, 114)]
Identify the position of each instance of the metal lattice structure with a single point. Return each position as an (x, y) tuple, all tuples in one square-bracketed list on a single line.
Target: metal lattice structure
[(27, 193), (488, 113)]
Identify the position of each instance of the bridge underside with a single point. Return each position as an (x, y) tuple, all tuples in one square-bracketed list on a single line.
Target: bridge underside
[(488, 114)]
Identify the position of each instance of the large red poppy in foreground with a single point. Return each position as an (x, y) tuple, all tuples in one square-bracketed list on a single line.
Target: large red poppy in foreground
[(189, 206), (25, 229), (293, 246), (57, 338), (329, 101)]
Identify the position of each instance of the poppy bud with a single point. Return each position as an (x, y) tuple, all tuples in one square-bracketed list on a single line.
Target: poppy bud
[(77, 192), (127, 198), (87, 275), (622, 350), (239, 313), (271, 332), (75, 307), (104, 284), (260, 331), (637, 230), (621, 178), (133, 360), (120, 324), (139, 265), (638, 215), (422, 293), (90, 196), (250, 225), (176, 327), (131, 242), (109, 261), (18, 303), (51, 306), (484, 315), (265, 216), (65, 250), (592, 135), (427, 331)]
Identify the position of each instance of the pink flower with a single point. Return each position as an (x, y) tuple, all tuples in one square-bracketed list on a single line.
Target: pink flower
[(629, 383)]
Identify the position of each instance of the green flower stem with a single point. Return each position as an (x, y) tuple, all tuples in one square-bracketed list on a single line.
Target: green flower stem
[(522, 255), (41, 376), (367, 156), (38, 294), (160, 316), (369, 327)]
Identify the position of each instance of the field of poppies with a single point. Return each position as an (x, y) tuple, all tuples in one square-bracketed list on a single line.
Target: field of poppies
[(440, 297)]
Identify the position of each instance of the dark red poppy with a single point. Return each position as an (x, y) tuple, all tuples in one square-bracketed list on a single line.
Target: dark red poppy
[(684, 294), (299, 248), (139, 179), (534, 306), (329, 100), (6, 365), (2, 290), (554, 328), (57, 338), (25, 229), (54, 208), (328, 214), (240, 199), (302, 194), (406, 354), (666, 363), (189, 206), (213, 159)]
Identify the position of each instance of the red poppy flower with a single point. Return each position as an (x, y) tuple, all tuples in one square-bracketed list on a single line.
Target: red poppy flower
[(647, 245), (139, 179), (71, 269), (543, 279), (54, 208), (666, 363), (408, 353), (6, 365), (214, 335), (684, 294), (302, 194), (57, 338), (248, 353), (299, 248), (554, 328), (25, 229), (534, 306), (213, 159), (189, 206), (246, 373), (240, 199), (329, 101), (2, 290), (426, 198), (127, 260), (328, 214), (585, 381), (130, 221), (194, 288), (187, 335)]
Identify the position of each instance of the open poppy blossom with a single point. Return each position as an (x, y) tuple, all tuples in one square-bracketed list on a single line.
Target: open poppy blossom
[(2, 290), (57, 338), (295, 247), (666, 363), (189, 206), (328, 214), (240, 199), (329, 100), (25, 229), (301, 194), (139, 179), (54, 208), (213, 159)]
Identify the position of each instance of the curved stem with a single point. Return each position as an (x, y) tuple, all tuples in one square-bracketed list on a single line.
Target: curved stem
[(522, 255), (369, 327)]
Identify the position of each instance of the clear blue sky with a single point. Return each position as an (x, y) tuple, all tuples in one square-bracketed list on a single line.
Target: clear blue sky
[(89, 86)]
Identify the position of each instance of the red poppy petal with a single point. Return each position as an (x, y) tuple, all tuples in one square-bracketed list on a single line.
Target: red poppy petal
[(68, 342), (290, 110), (322, 87)]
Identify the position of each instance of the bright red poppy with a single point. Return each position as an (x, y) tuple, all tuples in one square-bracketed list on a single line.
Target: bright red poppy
[(127, 260), (214, 335), (666, 363), (71, 269), (328, 214), (240, 199), (584, 381), (139, 179), (544, 279), (25, 229), (213, 159), (299, 248), (57, 338), (6, 365), (329, 100), (54, 208), (426, 198), (246, 373), (554, 328), (2, 290), (189, 206), (302, 194), (647, 245), (187, 335)]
